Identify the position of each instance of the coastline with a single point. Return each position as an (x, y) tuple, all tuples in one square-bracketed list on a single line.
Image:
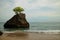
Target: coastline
[(36, 31), (19, 35)]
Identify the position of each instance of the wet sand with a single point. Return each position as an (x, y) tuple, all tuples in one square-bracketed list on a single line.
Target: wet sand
[(30, 36)]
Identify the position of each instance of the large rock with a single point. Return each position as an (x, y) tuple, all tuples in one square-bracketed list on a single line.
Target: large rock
[(17, 21)]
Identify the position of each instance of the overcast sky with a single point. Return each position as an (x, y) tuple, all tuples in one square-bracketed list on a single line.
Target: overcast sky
[(35, 10)]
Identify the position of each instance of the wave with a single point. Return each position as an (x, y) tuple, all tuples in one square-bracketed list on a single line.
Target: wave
[(36, 31)]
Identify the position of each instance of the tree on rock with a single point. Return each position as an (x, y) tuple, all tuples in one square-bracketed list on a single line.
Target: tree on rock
[(18, 10), (18, 20)]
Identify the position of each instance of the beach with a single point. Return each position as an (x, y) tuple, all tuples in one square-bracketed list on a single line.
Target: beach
[(30, 36), (37, 31)]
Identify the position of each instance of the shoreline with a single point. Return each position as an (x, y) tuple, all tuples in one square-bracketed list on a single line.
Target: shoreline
[(36, 31), (19, 35)]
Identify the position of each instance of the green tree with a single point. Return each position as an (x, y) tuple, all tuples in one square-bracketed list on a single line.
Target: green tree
[(18, 10)]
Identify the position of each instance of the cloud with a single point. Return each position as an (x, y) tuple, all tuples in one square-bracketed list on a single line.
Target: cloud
[(36, 3), (43, 3), (40, 8), (33, 8), (5, 9)]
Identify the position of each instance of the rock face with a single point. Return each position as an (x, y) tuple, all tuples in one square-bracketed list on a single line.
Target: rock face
[(1, 33), (17, 21)]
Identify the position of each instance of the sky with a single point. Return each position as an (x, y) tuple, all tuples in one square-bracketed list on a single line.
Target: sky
[(35, 10)]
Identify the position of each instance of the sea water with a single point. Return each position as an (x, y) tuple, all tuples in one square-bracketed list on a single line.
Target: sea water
[(37, 26)]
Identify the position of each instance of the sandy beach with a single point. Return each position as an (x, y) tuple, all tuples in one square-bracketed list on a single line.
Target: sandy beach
[(30, 36)]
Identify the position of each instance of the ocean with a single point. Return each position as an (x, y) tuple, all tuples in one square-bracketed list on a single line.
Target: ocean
[(36, 26)]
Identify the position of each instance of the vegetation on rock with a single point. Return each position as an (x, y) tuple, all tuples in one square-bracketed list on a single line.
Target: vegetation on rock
[(18, 10)]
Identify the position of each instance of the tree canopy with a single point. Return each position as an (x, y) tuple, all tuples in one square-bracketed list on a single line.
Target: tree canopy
[(18, 9)]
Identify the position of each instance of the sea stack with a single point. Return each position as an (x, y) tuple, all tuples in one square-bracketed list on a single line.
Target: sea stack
[(17, 21)]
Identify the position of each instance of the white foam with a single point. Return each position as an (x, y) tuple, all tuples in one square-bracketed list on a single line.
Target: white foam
[(45, 31), (42, 30), (39, 31)]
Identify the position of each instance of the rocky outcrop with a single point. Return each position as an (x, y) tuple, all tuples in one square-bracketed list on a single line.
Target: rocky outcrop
[(17, 21), (1, 33)]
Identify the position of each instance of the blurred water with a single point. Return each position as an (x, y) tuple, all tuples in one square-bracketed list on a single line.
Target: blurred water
[(1, 26), (45, 26), (37, 26)]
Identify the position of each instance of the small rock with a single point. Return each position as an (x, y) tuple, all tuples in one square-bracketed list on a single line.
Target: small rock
[(1, 33)]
